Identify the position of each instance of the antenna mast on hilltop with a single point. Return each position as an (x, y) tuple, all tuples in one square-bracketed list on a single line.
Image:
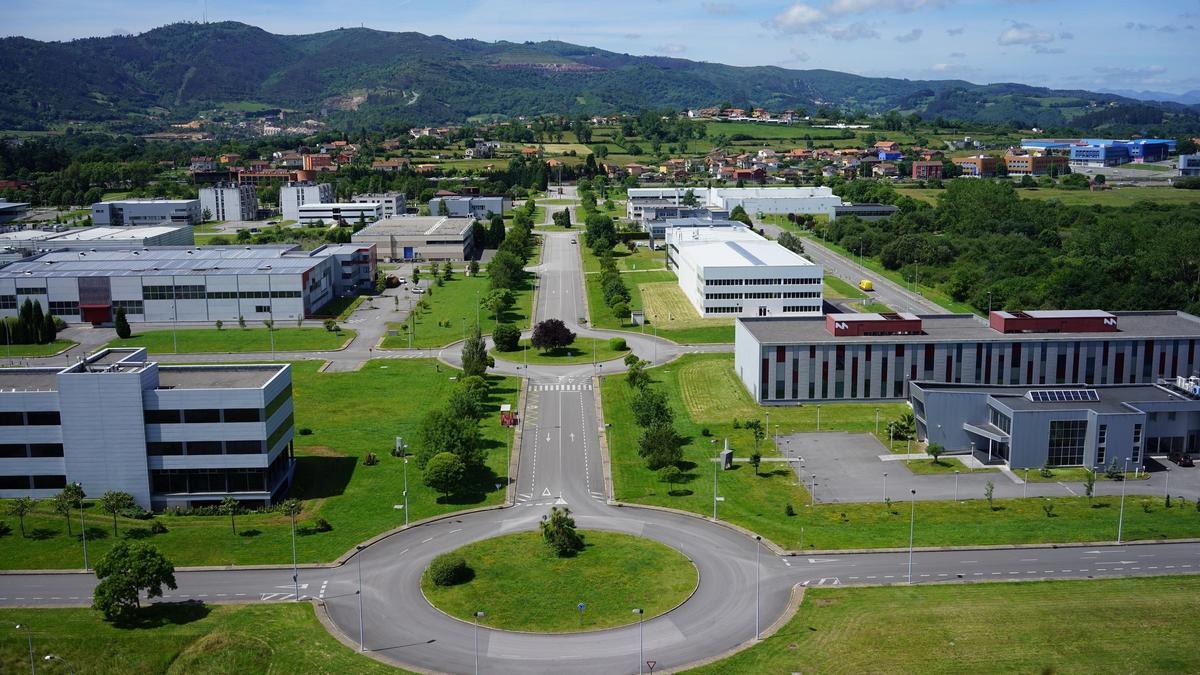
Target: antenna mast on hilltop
[(205, 11)]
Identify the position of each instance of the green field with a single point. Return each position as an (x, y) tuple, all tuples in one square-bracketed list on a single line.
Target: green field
[(602, 317), (1048, 627), (350, 414), (614, 574), (1120, 196), (180, 638), (836, 289), (455, 305), (234, 339), (704, 393), (583, 350), (644, 258), (28, 351)]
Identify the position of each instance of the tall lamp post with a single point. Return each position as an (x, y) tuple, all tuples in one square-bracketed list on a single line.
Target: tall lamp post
[(358, 557), (885, 486), (82, 528), (641, 641), (818, 417), (912, 522), (757, 580), (55, 657), (29, 641), (292, 508), (477, 616), (406, 490), (955, 485), (877, 421), (1121, 518)]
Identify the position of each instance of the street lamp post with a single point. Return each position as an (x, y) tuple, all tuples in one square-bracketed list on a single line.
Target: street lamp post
[(877, 421), (295, 566), (641, 639), (358, 557), (912, 523), (1166, 482), (955, 485), (1121, 518), (757, 580), (55, 657), (82, 529), (715, 468), (885, 486), (478, 616), (818, 417), (1025, 487), (812, 493), (29, 641), (406, 490)]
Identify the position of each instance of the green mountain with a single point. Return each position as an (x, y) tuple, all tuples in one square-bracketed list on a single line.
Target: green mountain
[(365, 77)]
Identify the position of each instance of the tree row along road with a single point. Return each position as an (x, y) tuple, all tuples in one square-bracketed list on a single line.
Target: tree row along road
[(742, 585)]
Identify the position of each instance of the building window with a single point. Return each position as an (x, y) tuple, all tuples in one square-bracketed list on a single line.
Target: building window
[(156, 449), (12, 419), (12, 450), (1101, 443), (46, 450), (43, 418), (243, 447), (8, 302), (243, 415), (162, 416), (63, 307), (130, 306), (49, 482), (14, 482), (1066, 442), (1137, 444), (202, 416), (204, 447)]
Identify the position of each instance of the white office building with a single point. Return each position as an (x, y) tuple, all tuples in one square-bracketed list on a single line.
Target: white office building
[(1189, 165), (814, 200), (731, 271), (229, 201), (340, 212), (171, 436), (143, 212), (393, 203), (467, 206), (294, 195), (32, 241)]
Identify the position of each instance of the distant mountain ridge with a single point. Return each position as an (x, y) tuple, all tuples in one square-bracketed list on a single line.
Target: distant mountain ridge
[(174, 71)]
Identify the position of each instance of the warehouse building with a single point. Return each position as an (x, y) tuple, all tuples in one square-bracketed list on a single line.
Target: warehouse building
[(409, 238), (731, 270), (31, 241), (470, 206), (182, 284), (1073, 425), (875, 356), (339, 212), (171, 436), (10, 211), (753, 200), (229, 201), (143, 212)]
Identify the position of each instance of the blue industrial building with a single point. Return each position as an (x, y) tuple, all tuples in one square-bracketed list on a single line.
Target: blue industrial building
[(1099, 155)]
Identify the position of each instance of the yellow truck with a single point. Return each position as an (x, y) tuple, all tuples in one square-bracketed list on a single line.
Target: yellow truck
[(866, 285)]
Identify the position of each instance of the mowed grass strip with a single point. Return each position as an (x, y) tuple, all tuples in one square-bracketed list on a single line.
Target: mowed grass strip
[(180, 638), (25, 351), (669, 308), (1121, 196), (349, 414), (602, 316), (583, 350), (704, 393), (522, 585), (234, 339), (453, 306), (1047, 626)]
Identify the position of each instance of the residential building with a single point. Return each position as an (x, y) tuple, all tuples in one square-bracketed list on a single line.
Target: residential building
[(229, 201), (731, 270), (10, 211), (167, 284), (259, 176), (170, 436), (978, 166), (321, 162), (409, 238), (393, 203), (203, 163), (926, 170), (142, 212), (466, 206), (294, 195), (885, 170), (865, 211), (874, 356), (1189, 165), (1034, 165), (394, 164), (1093, 426), (85, 238), (348, 213)]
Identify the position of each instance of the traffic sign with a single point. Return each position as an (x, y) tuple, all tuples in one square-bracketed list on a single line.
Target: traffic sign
[(651, 664), (580, 606)]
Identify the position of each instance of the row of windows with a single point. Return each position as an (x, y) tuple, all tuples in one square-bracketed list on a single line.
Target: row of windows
[(185, 481), (33, 482), (34, 418), (32, 290), (58, 308), (8, 302), (722, 310), (203, 416), (759, 282), (168, 448), (18, 450), (130, 306), (199, 293), (788, 309)]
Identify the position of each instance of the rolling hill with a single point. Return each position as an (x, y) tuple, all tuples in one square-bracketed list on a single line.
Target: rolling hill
[(363, 77)]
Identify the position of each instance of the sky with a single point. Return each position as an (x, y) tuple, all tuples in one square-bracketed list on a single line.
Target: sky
[(1097, 44)]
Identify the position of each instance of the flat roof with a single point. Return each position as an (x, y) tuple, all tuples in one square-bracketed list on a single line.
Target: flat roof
[(968, 328), (177, 202), (1057, 314), (1113, 398), (416, 226), (217, 377), (859, 318), (164, 261), (5, 204), (702, 222), (742, 254), (28, 379), (338, 205), (117, 233)]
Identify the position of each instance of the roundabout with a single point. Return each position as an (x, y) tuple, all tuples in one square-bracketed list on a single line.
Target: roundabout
[(530, 589)]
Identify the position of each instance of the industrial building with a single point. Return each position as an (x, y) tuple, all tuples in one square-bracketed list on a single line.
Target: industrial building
[(1189, 165), (730, 270), (182, 284), (339, 212), (656, 219), (875, 356), (865, 211), (393, 203), (229, 201), (1028, 164), (407, 238), (171, 436), (10, 211), (294, 195), (470, 206), (1073, 425), (977, 166), (142, 212), (31, 241), (813, 200)]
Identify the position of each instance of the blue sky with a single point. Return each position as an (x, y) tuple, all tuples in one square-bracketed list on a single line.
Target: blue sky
[(1060, 43)]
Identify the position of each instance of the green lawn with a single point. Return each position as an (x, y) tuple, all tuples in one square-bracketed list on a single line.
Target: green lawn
[(583, 350), (48, 349), (946, 464), (1071, 474), (181, 638), (704, 393), (612, 575), (1121, 196), (234, 339), (350, 414), (443, 322), (1048, 626), (874, 308), (342, 308), (602, 317), (836, 289)]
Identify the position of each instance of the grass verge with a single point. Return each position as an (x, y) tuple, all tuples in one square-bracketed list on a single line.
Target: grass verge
[(26, 351), (579, 352), (208, 340), (452, 310), (612, 575)]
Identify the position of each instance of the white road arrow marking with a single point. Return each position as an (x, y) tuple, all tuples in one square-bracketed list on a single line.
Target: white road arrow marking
[(572, 437), (547, 436), (303, 587), (821, 560)]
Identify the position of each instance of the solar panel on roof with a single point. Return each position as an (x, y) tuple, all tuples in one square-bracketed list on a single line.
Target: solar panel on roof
[(1051, 395)]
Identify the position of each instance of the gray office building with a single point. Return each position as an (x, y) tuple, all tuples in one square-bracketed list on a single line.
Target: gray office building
[(479, 208), (142, 212), (409, 238), (171, 436)]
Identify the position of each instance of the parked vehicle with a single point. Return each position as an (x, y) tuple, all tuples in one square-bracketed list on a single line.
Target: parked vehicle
[(1182, 459), (866, 285)]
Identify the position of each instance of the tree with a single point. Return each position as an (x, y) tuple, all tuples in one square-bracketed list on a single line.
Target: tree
[(739, 214), (650, 407), (1089, 485), (935, 451), (689, 198), (206, 216), (114, 502), (755, 460), (670, 475), (562, 218), (466, 403), (230, 506), (505, 270), (495, 231), (558, 531), (599, 232), (440, 431), (444, 473), (447, 271), (21, 507), (474, 354), (64, 503), (506, 336), (757, 431), (620, 310), (443, 208), (551, 334), (497, 301), (220, 324), (473, 267), (121, 324), (660, 446), (637, 377), (904, 426), (124, 573), (989, 490)]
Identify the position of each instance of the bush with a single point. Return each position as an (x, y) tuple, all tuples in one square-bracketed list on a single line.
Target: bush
[(5, 530), (507, 337), (136, 513), (617, 344), (157, 527), (322, 525), (371, 459), (305, 431), (449, 569), (789, 511), (705, 432)]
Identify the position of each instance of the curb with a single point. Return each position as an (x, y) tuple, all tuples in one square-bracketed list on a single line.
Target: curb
[(793, 606), (602, 432), (772, 546), (991, 547), (322, 612), (514, 460)]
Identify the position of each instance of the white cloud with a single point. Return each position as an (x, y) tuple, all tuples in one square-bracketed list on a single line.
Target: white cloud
[(797, 56), (1065, 35), (671, 49), (941, 67), (1043, 49), (858, 30), (957, 55), (1165, 28), (799, 17), (807, 16), (911, 36), (1131, 73), (1024, 34), (956, 31)]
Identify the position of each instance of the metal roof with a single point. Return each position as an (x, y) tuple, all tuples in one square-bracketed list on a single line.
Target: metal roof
[(167, 261)]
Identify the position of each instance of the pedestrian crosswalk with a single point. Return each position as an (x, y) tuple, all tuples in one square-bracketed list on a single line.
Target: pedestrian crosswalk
[(561, 387)]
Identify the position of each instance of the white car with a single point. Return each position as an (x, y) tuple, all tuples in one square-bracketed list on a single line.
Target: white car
[(418, 290)]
